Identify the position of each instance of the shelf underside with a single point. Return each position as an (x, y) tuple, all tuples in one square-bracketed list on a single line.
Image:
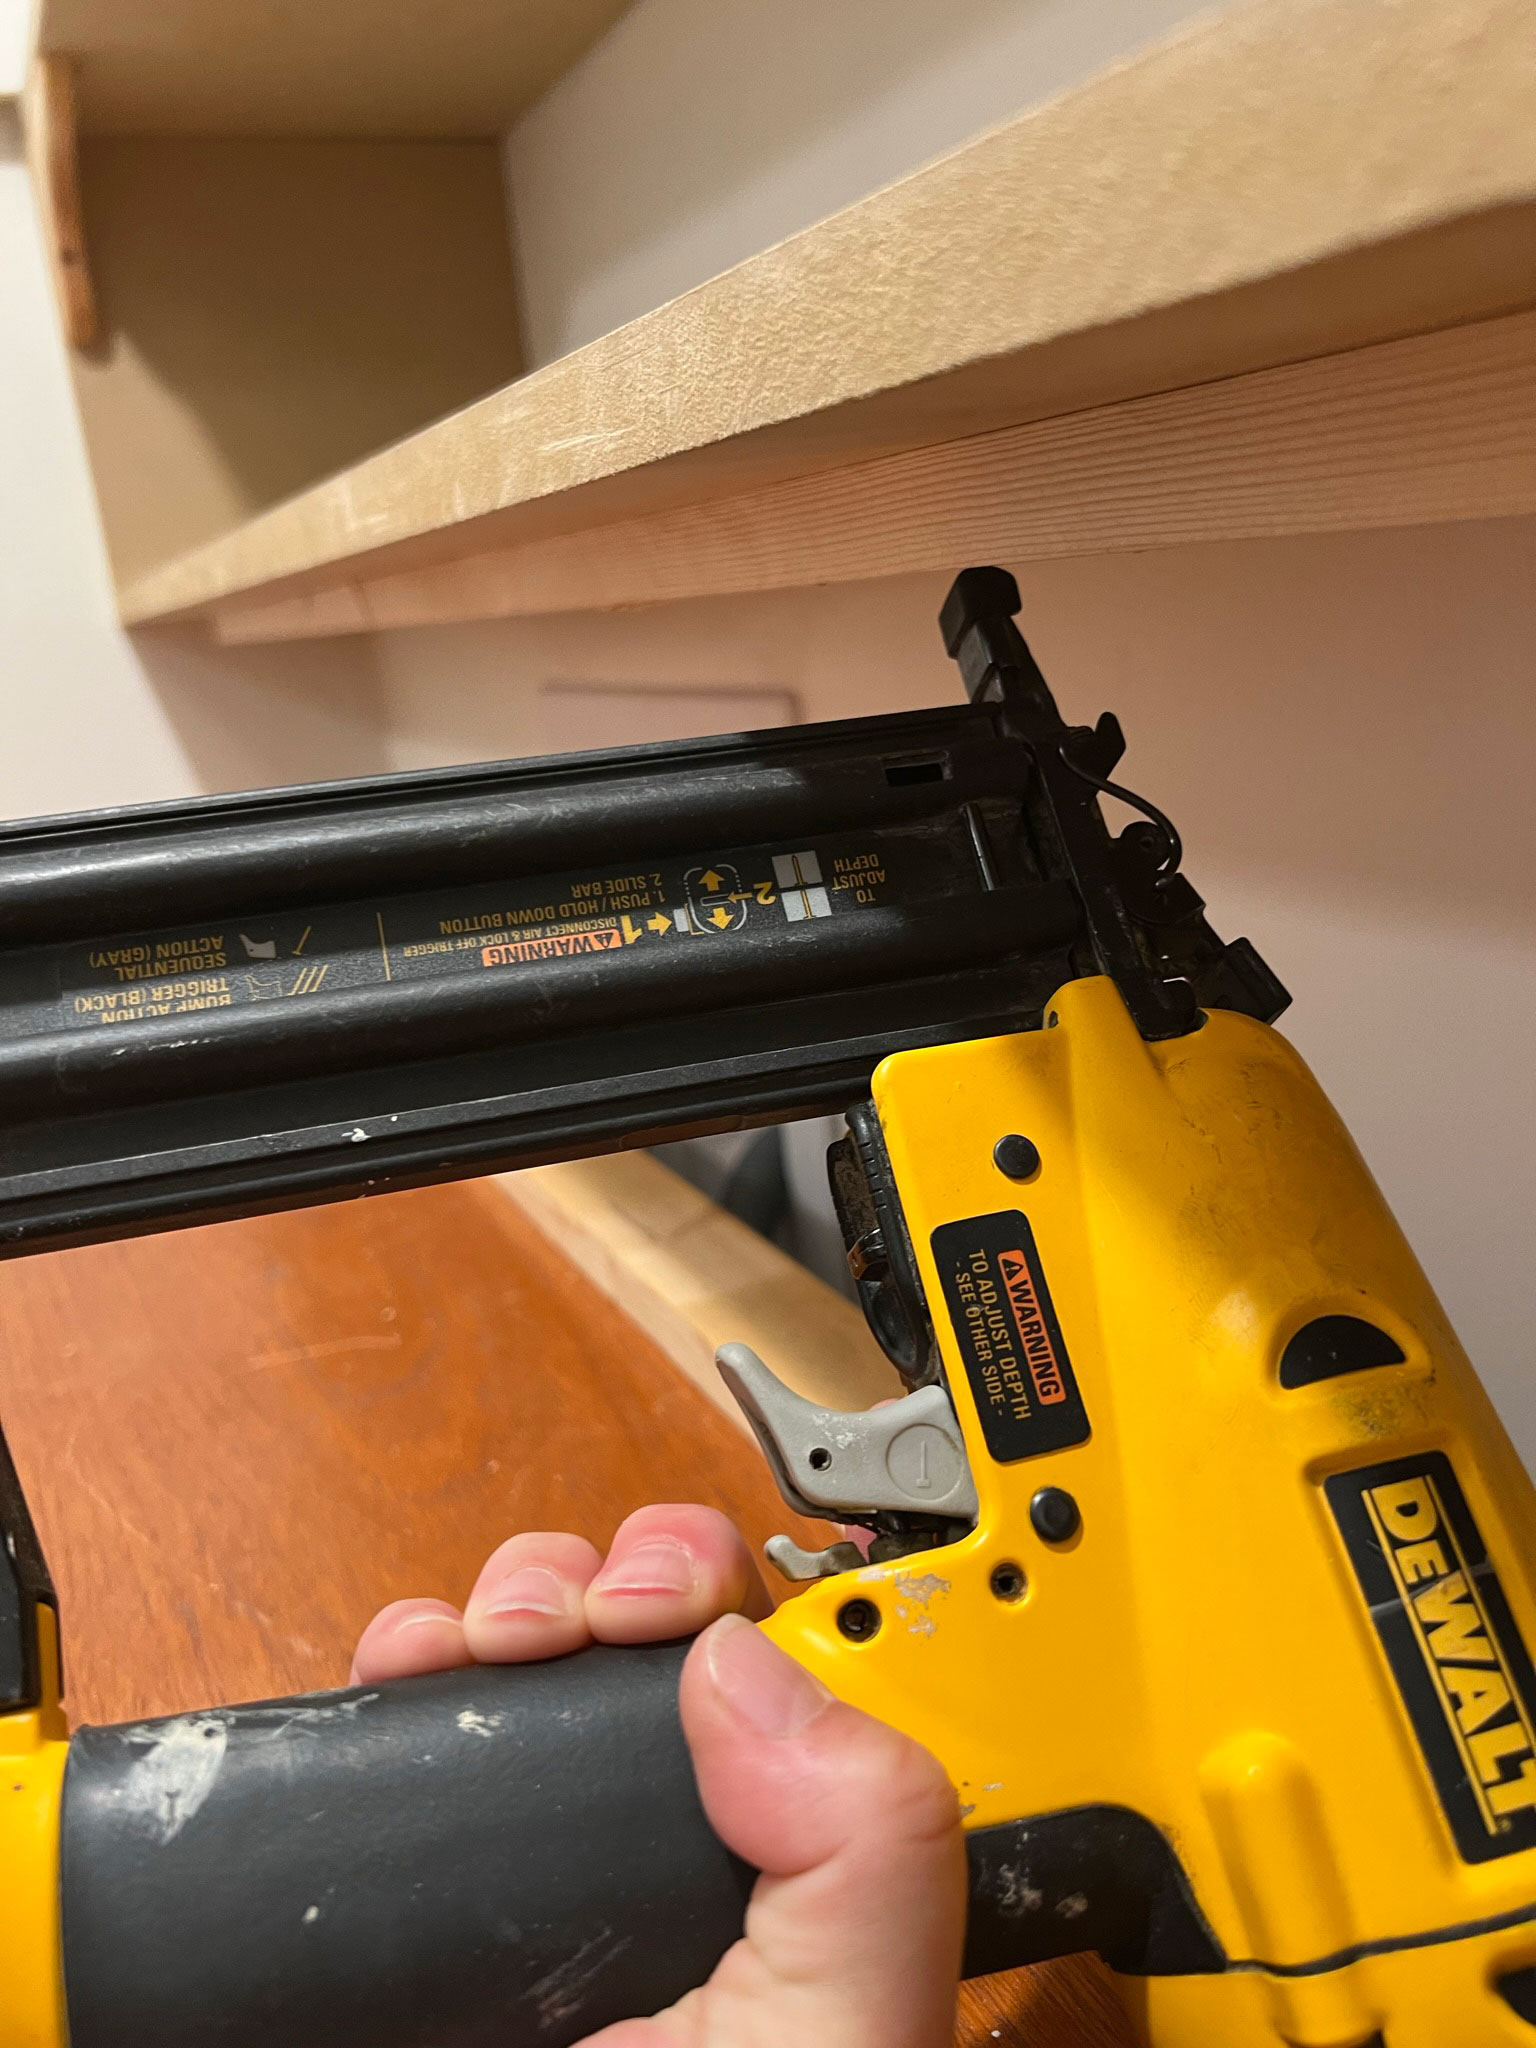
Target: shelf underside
[(1256, 280)]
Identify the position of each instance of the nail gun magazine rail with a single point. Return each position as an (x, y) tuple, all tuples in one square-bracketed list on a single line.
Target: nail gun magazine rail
[(241, 1003), (250, 1002)]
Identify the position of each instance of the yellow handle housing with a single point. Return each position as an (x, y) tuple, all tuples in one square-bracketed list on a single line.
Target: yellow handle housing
[(33, 1748), (1351, 1797)]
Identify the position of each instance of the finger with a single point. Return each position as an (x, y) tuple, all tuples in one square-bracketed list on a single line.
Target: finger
[(854, 1931), (669, 1571), (527, 1601), (407, 1637)]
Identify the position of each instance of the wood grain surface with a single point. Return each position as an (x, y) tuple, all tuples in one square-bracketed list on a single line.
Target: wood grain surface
[(239, 1441), (1415, 432)]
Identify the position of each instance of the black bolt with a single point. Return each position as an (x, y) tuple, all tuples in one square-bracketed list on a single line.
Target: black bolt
[(1008, 1582), (820, 1459), (1016, 1157), (859, 1620), (1055, 1514)]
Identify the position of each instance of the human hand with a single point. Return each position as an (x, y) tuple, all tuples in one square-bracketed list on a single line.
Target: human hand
[(853, 1933)]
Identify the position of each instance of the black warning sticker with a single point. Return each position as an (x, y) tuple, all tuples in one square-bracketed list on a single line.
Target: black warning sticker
[(1457, 1657), (1005, 1323)]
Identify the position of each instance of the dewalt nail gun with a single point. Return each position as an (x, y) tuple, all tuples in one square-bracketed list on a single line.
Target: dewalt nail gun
[(1199, 1555)]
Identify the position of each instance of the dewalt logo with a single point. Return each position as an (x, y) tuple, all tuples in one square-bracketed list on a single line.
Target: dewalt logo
[(1459, 1661), (1478, 1694)]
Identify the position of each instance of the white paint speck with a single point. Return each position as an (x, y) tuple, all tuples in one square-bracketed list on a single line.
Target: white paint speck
[(311, 1915), (1014, 1893), (920, 1588), (916, 1624), (165, 1786), (482, 1725), (359, 1136)]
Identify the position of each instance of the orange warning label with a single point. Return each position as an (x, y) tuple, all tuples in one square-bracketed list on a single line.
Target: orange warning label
[(1039, 1352), (605, 939)]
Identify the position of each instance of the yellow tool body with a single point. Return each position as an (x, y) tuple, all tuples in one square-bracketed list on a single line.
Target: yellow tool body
[(34, 1746), (1200, 1651)]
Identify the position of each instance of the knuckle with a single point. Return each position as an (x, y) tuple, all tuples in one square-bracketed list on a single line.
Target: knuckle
[(920, 1802)]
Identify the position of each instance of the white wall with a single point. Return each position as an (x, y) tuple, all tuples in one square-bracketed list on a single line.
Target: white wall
[(82, 725), (15, 33), (1342, 727), (695, 134), (91, 714)]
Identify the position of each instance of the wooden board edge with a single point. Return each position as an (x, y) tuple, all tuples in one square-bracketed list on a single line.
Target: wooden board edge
[(1027, 290), (693, 1277), (1435, 429), (50, 104)]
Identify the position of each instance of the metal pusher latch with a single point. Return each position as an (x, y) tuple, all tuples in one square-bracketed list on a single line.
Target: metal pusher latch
[(905, 1458)]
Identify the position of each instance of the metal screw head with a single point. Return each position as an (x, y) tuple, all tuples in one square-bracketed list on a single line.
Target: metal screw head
[(1016, 1156), (859, 1620), (1008, 1581), (1055, 1514)]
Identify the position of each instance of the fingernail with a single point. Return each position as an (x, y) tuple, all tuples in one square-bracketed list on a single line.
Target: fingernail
[(650, 1568), (766, 1689), (426, 1621), (532, 1589)]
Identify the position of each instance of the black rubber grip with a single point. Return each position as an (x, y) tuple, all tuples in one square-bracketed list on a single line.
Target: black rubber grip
[(512, 1856)]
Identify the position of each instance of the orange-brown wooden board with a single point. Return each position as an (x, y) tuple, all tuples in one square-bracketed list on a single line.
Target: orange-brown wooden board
[(238, 1442)]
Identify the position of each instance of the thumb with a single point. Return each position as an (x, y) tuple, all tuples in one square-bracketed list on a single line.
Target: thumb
[(854, 1930)]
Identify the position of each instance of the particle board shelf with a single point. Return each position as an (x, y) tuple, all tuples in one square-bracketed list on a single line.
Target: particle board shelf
[(1258, 279)]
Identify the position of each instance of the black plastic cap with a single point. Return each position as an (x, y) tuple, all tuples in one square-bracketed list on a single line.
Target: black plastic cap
[(1017, 1156), (1055, 1514), (976, 594)]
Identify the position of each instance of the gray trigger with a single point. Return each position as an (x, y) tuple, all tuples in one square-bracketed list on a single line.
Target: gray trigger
[(907, 1457)]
